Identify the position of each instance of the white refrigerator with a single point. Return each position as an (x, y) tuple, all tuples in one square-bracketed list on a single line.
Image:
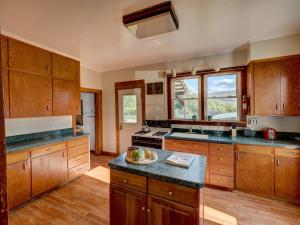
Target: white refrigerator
[(88, 116)]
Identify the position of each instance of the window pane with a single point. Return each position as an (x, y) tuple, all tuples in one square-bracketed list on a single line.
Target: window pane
[(222, 108), (129, 109), (186, 109), (186, 88), (221, 86)]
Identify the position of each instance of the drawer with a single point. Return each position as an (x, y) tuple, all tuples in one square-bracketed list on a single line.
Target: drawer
[(284, 152), (77, 160), (173, 192), (221, 149), (129, 180), (77, 141), (78, 170), (221, 181), (40, 151), (266, 150), (221, 168), (15, 157), (78, 150), (187, 146)]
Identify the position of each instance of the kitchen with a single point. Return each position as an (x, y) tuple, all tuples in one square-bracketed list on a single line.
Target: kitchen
[(230, 105)]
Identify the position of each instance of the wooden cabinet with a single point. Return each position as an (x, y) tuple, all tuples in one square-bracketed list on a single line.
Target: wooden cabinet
[(290, 86), (255, 169), (164, 212), (27, 58), (266, 78), (4, 51), (66, 97), (5, 81), (287, 174), (194, 147), (30, 95), (65, 68), (18, 178), (49, 171), (128, 207)]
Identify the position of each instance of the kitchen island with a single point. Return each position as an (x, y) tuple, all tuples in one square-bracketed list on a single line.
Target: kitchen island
[(157, 193)]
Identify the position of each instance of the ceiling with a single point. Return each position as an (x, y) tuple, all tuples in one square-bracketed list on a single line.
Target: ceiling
[(92, 30)]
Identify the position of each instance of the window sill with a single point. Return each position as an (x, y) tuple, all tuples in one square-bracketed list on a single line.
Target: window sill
[(206, 122)]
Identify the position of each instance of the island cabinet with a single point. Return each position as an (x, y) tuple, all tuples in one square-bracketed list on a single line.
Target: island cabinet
[(255, 169), (287, 174), (139, 200), (49, 167), (18, 178)]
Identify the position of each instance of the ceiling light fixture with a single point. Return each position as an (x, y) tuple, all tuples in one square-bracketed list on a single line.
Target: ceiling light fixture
[(194, 71), (157, 19)]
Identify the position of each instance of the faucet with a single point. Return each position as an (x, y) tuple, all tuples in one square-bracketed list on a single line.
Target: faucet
[(201, 128), (190, 129)]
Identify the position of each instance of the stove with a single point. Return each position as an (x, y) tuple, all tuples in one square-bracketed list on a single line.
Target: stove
[(160, 133), (153, 138)]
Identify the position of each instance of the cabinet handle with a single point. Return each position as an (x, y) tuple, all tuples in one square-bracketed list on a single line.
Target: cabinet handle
[(125, 181), (63, 154), (143, 208), (283, 106), (237, 156), (276, 106), (220, 148), (170, 193), (46, 67), (48, 149), (220, 158), (24, 166), (277, 162), (148, 210), (47, 108)]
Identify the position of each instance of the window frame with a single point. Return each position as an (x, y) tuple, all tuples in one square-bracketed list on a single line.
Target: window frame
[(123, 121), (173, 98)]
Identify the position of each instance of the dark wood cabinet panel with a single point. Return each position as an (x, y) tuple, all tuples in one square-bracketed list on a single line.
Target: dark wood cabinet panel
[(266, 78), (4, 52), (5, 92), (49, 171), (255, 170), (65, 68), (18, 183), (127, 207), (30, 95), (66, 97), (27, 58), (164, 212), (290, 87), (287, 177)]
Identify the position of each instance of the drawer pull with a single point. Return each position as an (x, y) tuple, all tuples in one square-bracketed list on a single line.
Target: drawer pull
[(48, 149), (143, 208), (148, 210), (220, 158), (220, 148), (170, 193), (125, 181)]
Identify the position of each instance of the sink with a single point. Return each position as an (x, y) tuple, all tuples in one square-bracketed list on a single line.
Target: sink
[(189, 135)]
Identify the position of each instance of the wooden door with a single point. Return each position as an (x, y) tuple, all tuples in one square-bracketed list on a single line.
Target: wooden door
[(287, 177), (27, 58), (65, 68), (290, 87), (66, 97), (127, 207), (266, 88), (255, 170), (30, 95), (18, 183), (164, 212), (49, 171)]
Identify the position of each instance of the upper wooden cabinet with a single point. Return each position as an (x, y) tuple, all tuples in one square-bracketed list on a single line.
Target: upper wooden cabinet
[(5, 92), (290, 86), (66, 97), (4, 51), (30, 95), (27, 58), (65, 68), (266, 84)]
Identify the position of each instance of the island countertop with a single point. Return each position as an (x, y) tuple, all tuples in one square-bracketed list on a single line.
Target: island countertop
[(193, 176)]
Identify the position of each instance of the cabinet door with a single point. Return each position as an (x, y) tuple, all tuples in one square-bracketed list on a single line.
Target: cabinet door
[(30, 95), (127, 207), (65, 68), (287, 178), (4, 52), (49, 171), (27, 58), (5, 92), (267, 88), (18, 183), (255, 172), (66, 97), (290, 87), (164, 212)]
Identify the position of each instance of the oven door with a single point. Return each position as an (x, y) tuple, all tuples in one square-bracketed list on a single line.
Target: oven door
[(147, 142)]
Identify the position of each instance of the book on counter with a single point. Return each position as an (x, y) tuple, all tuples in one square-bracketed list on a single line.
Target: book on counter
[(180, 159)]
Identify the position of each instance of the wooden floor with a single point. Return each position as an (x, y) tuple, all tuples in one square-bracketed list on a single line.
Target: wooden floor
[(85, 201)]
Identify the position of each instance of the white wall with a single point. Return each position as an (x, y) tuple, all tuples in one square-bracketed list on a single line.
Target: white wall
[(90, 78)]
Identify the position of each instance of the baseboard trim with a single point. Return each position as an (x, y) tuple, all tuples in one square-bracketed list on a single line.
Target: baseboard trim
[(109, 153)]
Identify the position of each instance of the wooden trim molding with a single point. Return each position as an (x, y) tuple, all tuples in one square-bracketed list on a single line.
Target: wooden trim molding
[(211, 123), (98, 118), (122, 86)]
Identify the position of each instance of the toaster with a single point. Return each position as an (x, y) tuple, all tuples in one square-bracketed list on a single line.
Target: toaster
[(269, 133)]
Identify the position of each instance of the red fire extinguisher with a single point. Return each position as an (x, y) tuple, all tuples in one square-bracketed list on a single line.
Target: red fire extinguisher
[(245, 103)]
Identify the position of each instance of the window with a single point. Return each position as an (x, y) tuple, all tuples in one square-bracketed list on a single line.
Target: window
[(185, 98), (129, 109), (221, 97)]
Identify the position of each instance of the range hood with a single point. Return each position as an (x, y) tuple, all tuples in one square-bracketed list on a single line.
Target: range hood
[(157, 19)]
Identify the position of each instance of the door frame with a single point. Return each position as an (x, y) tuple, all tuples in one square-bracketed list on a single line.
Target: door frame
[(98, 118), (123, 86)]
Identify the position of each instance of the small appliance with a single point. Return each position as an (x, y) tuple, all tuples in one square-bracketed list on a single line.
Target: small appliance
[(269, 133)]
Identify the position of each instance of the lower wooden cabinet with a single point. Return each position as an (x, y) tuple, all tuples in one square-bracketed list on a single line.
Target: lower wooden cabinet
[(18, 178), (255, 169)]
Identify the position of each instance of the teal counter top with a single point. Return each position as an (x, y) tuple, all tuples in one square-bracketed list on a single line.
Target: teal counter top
[(21, 145), (193, 176), (226, 139)]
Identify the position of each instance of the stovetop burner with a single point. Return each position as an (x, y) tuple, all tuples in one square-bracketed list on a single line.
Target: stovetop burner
[(142, 132), (160, 133)]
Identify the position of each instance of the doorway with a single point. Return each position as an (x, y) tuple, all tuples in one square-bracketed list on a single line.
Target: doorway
[(130, 111)]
